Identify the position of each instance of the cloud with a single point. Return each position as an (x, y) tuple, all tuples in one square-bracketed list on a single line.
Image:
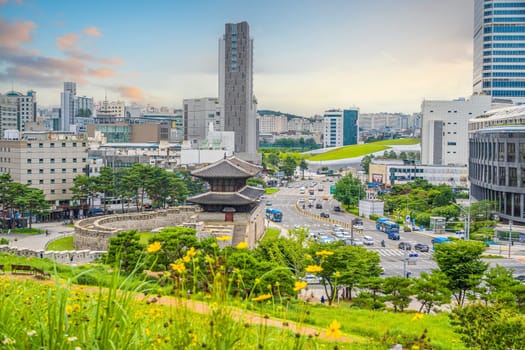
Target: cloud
[(92, 31), (130, 92), (67, 42), (13, 35), (102, 73)]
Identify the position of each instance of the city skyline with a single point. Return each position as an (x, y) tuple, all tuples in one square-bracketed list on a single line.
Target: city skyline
[(309, 56)]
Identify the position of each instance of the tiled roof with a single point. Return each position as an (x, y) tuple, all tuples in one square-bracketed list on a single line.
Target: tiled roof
[(247, 195), (228, 167)]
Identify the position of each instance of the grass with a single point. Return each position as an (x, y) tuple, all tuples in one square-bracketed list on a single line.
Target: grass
[(60, 244), (27, 231), (353, 151), (271, 190)]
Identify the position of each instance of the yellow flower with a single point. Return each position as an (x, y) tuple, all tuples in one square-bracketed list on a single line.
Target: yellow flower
[(262, 297), (242, 245), (308, 257), (191, 252), (186, 259), (179, 267), (69, 309), (209, 259), (417, 316), (224, 238), (313, 268), (257, 281), (154, 247), (337, 274), (324, 253), (299, 285), (334, 330)]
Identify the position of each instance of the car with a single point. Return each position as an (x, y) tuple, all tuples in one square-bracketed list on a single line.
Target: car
[(367, 240), (404, 246), (324, 215), (337, 208), (339, 234), (318, 206), (357, 242), (301, 201), (311, 279), (326, 197), (520, 278), (268, 202), (420, 247)]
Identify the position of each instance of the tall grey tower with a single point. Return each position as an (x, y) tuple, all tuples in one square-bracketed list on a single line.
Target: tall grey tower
[(67, 105), (499, 48), (236, 97)]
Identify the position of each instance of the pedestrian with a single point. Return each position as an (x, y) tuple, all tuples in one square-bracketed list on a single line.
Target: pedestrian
[(322, 299), (47, 232)]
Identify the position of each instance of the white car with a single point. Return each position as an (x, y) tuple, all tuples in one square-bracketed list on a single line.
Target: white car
[(311, 279), (367, 240)]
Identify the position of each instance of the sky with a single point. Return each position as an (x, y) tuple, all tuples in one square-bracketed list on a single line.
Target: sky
[(309, 55)]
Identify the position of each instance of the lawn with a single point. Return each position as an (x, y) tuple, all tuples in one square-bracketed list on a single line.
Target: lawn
[(65, 243), (353, 151), (271, 190)]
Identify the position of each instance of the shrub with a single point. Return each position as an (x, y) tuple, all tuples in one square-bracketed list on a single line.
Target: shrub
[(4, 241), (374, 217)]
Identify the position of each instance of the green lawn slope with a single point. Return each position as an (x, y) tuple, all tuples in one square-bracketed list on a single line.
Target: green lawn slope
[(362, 149)]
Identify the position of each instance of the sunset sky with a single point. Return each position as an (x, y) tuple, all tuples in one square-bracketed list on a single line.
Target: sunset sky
[(309, 55)]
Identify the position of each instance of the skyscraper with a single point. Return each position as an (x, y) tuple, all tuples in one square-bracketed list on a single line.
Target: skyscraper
[(341, 127), (236, 88), (67, 105), (499, 48)]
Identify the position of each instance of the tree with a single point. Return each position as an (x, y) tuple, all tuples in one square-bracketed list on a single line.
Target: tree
[(303, 166), (489, 327), (461, 262), (289, 166), (125, 250), (105, 183), (175, 242), (365, 163), (499, 287), (33, 201), (398, 291), (431, 289), (84, 189), (348, 190)]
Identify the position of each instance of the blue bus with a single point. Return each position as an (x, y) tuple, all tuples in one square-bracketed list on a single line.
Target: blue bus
[(274, 214), (439, 240), (390, 228), (379, 222)]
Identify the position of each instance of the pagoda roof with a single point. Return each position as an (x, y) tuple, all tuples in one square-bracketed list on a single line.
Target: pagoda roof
[(228, 168), (247, 195)]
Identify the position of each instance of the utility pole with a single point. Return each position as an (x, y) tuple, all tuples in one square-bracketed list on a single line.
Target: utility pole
[(510, 236)]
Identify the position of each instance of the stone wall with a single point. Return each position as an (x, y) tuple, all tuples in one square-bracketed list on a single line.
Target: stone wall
[(62, 257), (94, 233)]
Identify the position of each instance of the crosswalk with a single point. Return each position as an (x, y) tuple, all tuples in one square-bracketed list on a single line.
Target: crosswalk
[(398, 252)]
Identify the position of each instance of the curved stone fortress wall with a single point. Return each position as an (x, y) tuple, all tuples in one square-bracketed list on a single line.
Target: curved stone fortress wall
[(94, 233)]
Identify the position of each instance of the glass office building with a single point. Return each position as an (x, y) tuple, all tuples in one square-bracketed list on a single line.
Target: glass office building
[(499, 48)]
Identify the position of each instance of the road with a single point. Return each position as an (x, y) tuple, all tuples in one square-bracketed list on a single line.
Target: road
[(394, 261)]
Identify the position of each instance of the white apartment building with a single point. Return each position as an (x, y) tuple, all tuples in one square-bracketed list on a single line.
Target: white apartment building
[(67, 105), (297, 124), (273, 124), (444, 134), (46, 160), (25, 107), (198, 113), (113, 108)]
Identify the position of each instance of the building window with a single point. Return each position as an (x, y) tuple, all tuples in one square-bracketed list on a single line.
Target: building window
[(63, 144), (52, 171), (75, 170), (63, 170), (501, 151), (52, 145), (502, 176), (52, 191), (41, 160), (83, 144), (40, 145), (64, 181), (511, 152), (40, 171), (74, 144), (63, 160), (83, 160), (52, 160), (29, 161), (41, 182), (513, 177), (52, 181), (74, 160), (28, 145), (29, 171), (64, 191), (29, 182)]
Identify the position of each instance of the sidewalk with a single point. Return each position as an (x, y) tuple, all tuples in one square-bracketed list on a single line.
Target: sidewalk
[(38, 242)]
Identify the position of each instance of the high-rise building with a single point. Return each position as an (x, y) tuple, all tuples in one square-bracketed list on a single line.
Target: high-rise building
[(341, 127), (499, 48), (67, 105), (25, 108), (8, 113), (198, 114), (236, 88)]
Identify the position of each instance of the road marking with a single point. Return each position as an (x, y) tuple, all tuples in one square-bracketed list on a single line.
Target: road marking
[(396, 252)]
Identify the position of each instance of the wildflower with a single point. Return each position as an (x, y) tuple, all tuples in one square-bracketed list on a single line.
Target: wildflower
[(186, 259), (214, 245), (224, 238), (277, 284), (71, 339), (209, 259), (417, 316), (179, 267), (191, 252), (324, 253), (31, 333), (299, 285), (8, 341), (242, 245), (337, 274), (334, 330), (78, 348), (262, 297), (313, 268), (257, 281), (154, 247), (69, 309), (308, 257)]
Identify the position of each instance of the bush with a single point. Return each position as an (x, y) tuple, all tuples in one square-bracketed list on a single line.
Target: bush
[(407, 228), (4, 241), (374, 217)]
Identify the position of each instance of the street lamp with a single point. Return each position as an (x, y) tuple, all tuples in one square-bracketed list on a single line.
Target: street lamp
[(466, 214)]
